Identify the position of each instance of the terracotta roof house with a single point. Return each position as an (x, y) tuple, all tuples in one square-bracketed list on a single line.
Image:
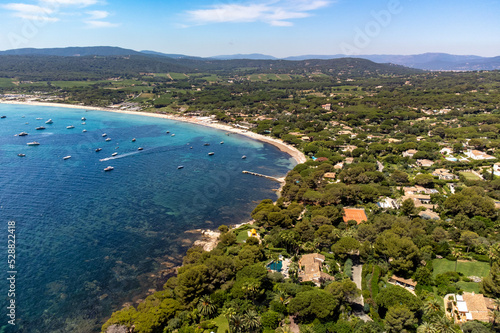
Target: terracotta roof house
[(329, 175), (310, 268), (405, 283), (472, 306), (425, 163), (410, 153), (444, 174), (478, 155), (356, 214), (321, 159)]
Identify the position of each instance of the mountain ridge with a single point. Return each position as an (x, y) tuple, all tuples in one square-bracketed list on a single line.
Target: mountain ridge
[(425, 61)]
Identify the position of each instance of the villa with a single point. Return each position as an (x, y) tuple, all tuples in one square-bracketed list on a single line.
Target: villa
[(310, 266)]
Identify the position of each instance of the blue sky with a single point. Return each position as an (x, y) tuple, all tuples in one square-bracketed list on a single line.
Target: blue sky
[(275, 27)]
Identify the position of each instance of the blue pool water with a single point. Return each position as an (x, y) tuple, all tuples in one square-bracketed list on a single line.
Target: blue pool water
[(275, 266), (87, 240)]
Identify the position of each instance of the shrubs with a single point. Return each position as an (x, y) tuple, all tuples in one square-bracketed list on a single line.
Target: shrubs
[(348, 268)]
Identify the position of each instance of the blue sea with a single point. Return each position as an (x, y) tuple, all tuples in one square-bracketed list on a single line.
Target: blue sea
[(88, 241)]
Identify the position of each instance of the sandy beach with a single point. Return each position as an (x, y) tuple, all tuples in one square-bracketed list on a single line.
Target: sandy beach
[(296, 154)]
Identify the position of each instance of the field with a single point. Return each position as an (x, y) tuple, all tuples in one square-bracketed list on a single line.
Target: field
[(470, 176), (469, 287), (6, 83), (469, 268)]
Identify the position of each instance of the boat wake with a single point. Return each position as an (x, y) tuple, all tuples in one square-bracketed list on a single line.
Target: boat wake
[(144, 151)]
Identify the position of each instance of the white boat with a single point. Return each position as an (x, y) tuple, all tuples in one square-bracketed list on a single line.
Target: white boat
[(243, 157), (39, 118), (83, 118), (211, 153), (84, 123), (66, 157), (21, 155), (107, 139), (104, 134), (133, 140), (23, 134), (49, 121), (109, 168), (222, 142), (70, 126), (173, 134), (140, 148), (114, 154), (40, 128), (84, 131), (180, 167), (34, 143), (98, 149)]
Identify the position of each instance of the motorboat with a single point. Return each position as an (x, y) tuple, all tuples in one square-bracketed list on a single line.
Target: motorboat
[(167, 132), (140, 148), (107, 139), (66, 157), (84, 123), (206, 144), (70, 127), (108, 168), (39, 118), (21, 155), (23, 134), (180, 167), (114, 154), (104, 135), (98, 149), (222, 142), (173, 134), (2, 117), (84, 131), (211, 153), (40, 128), (133, 140), (34, 143), (243, 157), (83, 118), (49, 121)]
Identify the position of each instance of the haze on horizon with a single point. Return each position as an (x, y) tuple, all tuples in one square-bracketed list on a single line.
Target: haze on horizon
[(274, 27)]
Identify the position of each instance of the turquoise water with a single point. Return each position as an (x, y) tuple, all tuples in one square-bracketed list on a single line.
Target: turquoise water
[(87, 241), (275, 266)]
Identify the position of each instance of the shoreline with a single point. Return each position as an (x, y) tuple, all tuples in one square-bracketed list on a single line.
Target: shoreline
[(296, 154)]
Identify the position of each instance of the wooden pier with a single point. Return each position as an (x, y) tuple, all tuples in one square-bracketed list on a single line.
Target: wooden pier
[(279, 180)]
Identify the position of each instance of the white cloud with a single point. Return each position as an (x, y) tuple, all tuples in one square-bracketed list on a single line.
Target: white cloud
[(31, 12), (78, 3), (98, 14), (95, 20), (49, 10), (100, 24), (275, 13)]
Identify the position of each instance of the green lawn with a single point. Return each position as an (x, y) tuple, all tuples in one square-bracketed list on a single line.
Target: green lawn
[(242, 236), (469, 286), (470, 176), (178, 76), (469, 268), (222, 324)]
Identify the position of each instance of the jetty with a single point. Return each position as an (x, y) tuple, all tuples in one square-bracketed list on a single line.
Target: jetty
[(279, 180)]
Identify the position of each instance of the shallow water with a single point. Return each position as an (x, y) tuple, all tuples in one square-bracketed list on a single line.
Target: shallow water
[(88, 240)]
